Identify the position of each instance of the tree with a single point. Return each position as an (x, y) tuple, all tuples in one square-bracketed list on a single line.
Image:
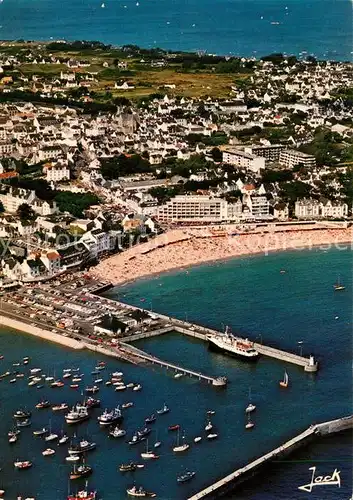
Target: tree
[(26, 213), (216, 154)]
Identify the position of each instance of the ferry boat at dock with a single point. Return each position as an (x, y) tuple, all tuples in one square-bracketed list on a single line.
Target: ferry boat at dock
[(233, 346)]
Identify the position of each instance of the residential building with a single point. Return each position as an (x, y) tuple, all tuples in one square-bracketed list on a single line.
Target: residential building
[(56, 172), (193, 208), (333, 209), (270, 153), (51, 261), (244, 160), (290, 158), (97, 242), (307, 209)]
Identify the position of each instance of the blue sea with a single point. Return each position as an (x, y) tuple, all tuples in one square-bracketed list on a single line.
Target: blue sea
[(253, 298), (237, 27)]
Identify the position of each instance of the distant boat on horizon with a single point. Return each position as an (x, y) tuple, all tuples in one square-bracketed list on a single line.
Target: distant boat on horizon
[(338, 285)]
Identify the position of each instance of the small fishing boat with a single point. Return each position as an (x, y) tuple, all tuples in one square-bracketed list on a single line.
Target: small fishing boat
[(187, 476), (51, 436), (178, 375), (174, 427), (48, 452), (24, 423), (83, 495), (22, 414), (131, 467), (77, 379), (60, 407), (33, 371), (67, 370), (120, 387), (13, 439), (80, 471), (77, 414), (197, 439), (139, 492), (208, 426), (110, 417), (64, 439), (150, 419), (82, 447), (212, 436), (249, 424), (26, 464), (137, 387), (284, 383), (251, 407), (13, 380), (98, 381), (92, 403), (14, 432), (130, 385), (43, 404), (163, 410), (67, 375), (74, 386), (116, 432), (93, 389), (72, 458), (136, 438), (127, 405), (108, 382), (117, 374), (40, 432), (57, 383)]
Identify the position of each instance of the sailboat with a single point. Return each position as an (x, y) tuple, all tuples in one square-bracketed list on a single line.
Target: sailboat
[(249, 424), (51, 436), (157, 443), (208, 426), (250, 406), (148, 454), (338, 286), (284, 382), (181, 447)]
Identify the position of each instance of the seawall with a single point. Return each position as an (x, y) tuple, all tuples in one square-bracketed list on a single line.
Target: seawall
[(227, 484), (40, 332)]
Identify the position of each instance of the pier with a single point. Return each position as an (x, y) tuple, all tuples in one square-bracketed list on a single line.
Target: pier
[(200, 332), (229, 483), (137, 353)]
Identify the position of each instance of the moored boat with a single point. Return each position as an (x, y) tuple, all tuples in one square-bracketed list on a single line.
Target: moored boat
[(43, 404), (187, 476), (233, 346), (139, 492), (80, 471), (82, 447), (110, 417), (116, 432), (60, 407), (40, 432), (22, 414), (163, 410), (26, 464), (77, 414), (127, 405), (131, 467), (48, 452), (83, 495)]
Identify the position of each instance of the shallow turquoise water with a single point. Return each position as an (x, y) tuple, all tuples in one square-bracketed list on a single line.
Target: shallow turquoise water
[(254, 298), (242, 27)]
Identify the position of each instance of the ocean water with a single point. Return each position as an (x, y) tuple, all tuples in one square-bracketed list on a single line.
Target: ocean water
[(251, 296), (240, 27)]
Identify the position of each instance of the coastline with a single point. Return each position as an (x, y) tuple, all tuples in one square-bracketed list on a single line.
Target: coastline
[(181, 249), (22, 327)]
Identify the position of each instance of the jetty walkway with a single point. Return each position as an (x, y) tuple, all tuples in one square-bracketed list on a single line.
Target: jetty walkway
[(230, 482), (137, 353)]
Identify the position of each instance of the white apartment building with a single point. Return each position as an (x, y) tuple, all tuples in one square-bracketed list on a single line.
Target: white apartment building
[(290, 158), (333, 209), (16, 197), (57, 172), (244, 160), (97, 242), (307, 209), (6, 147), (183, 208), (258, 206), (270, 153)]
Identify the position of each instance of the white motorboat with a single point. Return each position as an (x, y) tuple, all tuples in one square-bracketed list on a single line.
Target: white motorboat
[(197, 439), (212, 436), (48, 452)]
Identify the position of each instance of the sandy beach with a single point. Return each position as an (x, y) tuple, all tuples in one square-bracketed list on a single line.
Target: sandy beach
[(189, 247)]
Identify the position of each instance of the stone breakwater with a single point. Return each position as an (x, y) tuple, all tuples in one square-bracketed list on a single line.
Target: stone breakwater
[(189, 247), (40, 332)]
